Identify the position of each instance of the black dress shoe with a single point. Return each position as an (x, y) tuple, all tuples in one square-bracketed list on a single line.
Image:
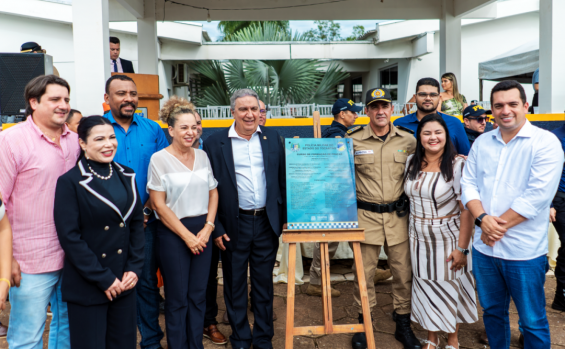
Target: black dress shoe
[(404, 333), (359, 341)]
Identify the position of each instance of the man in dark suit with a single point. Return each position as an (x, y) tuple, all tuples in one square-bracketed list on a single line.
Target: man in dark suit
[(117, 64), (248, 162)]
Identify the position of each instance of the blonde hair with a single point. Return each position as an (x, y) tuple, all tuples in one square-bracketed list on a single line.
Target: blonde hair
[(174, 107), (451, 77)]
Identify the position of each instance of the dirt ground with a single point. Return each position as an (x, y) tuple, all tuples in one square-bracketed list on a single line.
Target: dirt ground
[(308, 311)]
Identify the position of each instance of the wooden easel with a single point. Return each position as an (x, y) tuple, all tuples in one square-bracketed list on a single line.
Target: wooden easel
[(354, 236)]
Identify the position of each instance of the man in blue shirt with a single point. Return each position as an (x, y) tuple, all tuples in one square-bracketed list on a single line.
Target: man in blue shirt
[(557, 216), (138, 139), (427, 100)]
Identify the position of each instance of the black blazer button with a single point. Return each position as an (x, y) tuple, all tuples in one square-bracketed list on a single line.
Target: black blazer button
[(120, 251), (121, 225), (106, 228), (103, 255)]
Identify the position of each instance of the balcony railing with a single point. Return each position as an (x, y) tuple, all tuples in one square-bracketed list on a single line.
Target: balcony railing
[(305, 110)]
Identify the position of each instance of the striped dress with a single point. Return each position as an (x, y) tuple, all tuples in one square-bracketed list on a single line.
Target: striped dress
[(441, 298)]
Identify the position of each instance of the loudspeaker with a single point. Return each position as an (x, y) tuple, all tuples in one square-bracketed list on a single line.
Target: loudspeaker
[(16, 70)]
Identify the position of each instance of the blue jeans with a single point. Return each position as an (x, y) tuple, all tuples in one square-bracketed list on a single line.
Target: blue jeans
[(148, 295), (498, 280), (29, 311)]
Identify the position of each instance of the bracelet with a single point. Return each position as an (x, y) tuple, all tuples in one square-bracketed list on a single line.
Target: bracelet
[(211, 224), (8, 281)]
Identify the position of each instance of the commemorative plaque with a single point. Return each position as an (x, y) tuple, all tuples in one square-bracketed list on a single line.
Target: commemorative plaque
[(320, 184)]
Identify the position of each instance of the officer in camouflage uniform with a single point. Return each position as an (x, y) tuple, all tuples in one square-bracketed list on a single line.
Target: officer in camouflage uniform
[(380, 153)]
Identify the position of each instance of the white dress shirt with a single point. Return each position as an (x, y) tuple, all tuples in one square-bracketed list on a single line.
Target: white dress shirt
[(249, 170), (187, 192), (521, 175), (118, 63)]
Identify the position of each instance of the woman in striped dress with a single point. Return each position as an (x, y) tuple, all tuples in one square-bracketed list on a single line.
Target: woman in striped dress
[(443, 288)]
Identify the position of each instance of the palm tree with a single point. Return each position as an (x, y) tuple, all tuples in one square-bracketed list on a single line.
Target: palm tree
[(276, 81), (229, 28)]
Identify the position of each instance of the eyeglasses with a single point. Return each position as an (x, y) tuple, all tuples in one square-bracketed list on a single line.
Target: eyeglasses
[(481, 119), (426, 95), (263, 111)]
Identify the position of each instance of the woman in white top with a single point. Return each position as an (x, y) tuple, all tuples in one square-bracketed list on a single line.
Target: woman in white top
[(183, 191)]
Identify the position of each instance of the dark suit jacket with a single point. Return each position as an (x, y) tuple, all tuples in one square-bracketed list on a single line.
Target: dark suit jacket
[(127, 66), (100, 241), (219, 149)]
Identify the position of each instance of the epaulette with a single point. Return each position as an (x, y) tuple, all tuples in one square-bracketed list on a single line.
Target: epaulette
[(405, 129), (354, 129)]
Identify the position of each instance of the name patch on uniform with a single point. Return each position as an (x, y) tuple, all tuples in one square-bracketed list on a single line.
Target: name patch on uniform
[(363, 152)]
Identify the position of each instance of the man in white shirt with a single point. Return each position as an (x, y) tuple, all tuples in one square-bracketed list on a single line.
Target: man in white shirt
[(509, 181), (117, 64), (248, 161)]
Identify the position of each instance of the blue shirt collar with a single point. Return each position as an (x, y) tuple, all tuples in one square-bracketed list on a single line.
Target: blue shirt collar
[(110, 117)]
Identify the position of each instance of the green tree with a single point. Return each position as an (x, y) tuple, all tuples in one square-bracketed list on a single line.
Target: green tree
[(229, 28), (358, 31), (325, 31), (276, 81)]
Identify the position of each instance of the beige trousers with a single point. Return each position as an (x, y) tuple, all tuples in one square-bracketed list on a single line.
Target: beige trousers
[(401, 269), (316, 268)]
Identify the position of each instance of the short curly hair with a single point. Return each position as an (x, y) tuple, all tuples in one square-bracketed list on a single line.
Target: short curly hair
[(173, 107)]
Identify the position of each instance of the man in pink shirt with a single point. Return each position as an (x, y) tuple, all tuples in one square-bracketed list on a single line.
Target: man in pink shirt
[(33, 155)]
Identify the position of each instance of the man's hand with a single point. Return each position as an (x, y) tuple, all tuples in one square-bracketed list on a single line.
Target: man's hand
[(220, 243), (129, 280), (16, 276), (552, 213), (490, 226), (114, 290)]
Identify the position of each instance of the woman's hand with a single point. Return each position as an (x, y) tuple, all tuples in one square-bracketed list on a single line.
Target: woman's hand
[(459, 260), (204, 234), (129, 280), (114, 290), (195, 245)]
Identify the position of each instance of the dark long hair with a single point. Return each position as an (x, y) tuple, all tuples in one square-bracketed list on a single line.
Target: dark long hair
[(418, 161), (86, 125)]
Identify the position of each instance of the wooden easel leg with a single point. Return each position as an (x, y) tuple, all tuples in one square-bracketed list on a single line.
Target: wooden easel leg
[(290, 296), (363, 294), (326, 287)]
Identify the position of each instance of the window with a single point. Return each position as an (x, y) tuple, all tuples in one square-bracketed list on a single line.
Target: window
[(357, 95), (389, 80), (340, 89)]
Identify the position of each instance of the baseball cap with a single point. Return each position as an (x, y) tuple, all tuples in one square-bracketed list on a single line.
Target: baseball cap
[(345, 104), (30, 47), (474, 110), (378, 94)]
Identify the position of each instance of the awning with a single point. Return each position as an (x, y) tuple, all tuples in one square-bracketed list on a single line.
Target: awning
[(516, 64)]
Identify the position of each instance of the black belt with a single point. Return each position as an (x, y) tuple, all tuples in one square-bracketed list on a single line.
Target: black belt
[(400, 206), (560, 194), (255, 212)]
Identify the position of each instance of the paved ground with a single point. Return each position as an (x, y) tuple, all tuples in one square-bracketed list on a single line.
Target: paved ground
[(309, 310)]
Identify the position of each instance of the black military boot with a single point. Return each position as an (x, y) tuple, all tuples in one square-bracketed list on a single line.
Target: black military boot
[(359, 340), (404, 333), (559, 300)]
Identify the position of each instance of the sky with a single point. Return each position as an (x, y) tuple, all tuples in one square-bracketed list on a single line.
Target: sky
[(300, 26)]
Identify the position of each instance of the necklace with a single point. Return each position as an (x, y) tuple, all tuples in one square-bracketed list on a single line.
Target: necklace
[(99, 176)]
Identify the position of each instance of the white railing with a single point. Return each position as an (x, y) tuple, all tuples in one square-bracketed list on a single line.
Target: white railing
[(306, 110)]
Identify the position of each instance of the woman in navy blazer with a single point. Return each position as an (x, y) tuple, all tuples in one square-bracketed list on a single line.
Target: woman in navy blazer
[(99, 222)]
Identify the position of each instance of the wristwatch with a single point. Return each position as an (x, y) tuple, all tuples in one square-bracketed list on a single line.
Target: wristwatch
[(479, 219), (463, 250), (147, 211)]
